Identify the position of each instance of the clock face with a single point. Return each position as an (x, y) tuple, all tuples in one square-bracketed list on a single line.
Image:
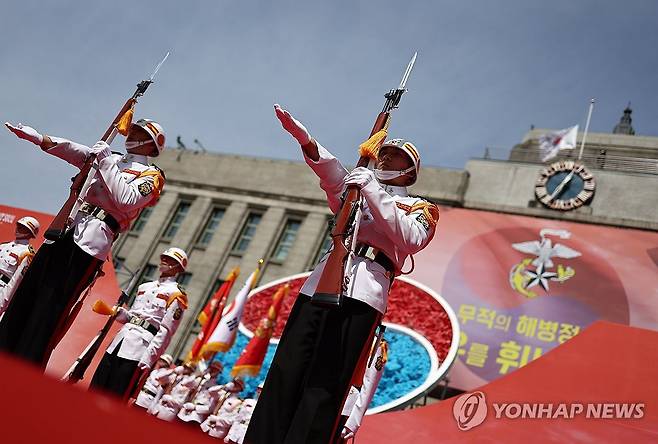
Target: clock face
[(565, 185)]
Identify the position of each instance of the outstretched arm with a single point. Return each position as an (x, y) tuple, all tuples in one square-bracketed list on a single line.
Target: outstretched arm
[(322, 162), (73, 153)]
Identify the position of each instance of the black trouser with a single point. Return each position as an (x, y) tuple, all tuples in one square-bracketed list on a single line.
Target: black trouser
[(39, 309), (114, 374), (311, 372)]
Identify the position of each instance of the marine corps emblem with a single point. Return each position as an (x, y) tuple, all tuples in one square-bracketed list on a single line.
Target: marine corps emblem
[(145, 188), (379, 363), (523, 276), (423, 221)]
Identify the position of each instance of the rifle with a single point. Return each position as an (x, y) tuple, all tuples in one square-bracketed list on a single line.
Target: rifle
[(333, 282), (135, 385), (82, 181), (79, 367)]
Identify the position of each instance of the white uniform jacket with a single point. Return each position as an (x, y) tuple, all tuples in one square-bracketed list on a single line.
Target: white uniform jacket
[(392, 221), (152, 387), (203, 403), (165, 380), (241, 422), (14, 256), (170, 404), (122, 186), (11, 256), (219, 424), (161, 303)]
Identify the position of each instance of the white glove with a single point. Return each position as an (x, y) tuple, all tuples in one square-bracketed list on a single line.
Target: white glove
[(215, 389), (26, 133), (346, 433), (123, 315), (101, 150), (143, 365), (360, 177), (188, 406), (292, 125)]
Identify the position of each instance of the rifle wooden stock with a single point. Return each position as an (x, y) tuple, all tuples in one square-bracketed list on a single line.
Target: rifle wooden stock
[(77, 371), (331, 284), (61, 222), (135, 386)]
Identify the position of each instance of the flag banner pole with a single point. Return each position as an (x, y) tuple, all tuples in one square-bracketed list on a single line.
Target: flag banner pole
[(589, 116)]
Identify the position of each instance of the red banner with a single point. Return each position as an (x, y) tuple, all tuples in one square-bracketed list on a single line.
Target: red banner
[(521, 286)]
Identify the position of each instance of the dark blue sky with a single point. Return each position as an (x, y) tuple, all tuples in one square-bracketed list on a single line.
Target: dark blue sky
[(486, 71)]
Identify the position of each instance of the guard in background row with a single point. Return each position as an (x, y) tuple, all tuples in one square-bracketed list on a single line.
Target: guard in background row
[(40, 312), (15, 256), (160, 374), (320, 348), (202, 401), (241, 422), (149, 325), (226, 410)]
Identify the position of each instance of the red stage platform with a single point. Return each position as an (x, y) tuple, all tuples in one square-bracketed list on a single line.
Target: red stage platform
[(607, 363)]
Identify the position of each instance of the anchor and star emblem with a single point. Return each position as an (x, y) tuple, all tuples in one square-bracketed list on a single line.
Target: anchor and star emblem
[(522, 277)]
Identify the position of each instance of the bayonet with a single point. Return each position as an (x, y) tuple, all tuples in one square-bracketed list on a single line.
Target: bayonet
[(393, 96)]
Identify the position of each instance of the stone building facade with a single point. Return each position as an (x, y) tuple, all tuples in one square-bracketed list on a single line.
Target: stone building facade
[(229, 211)]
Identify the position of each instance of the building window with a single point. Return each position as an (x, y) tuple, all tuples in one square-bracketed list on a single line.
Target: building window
[(247, 233), (184, 278), (177, 219), (210, 227), (139, 224), (286, 240), (324, 247)]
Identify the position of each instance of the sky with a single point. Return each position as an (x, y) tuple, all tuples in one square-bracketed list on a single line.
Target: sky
[(486, 71)]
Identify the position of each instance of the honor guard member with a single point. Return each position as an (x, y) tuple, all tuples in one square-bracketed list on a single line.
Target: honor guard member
[(181, 392), (205, 399), (226, 411), (239, 427), (38, 315), (167, 384), (15, 256), (319, 349), (356, 410), (159, 375), (148, 327)]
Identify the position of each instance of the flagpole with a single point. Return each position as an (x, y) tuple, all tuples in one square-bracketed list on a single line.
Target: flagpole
[(589, 116)]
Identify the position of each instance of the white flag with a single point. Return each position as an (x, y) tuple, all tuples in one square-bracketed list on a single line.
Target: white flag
[(223, 336), (552, 143)]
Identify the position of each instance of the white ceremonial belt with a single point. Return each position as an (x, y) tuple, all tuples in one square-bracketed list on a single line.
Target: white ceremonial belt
[(146, 325)]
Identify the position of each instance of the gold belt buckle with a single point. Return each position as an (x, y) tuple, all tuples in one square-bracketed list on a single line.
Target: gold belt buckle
[(370, 253)]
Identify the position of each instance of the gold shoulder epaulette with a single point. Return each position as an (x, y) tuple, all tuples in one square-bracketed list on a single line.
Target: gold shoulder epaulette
[(180, 297), (158, 180), (429, 209)]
